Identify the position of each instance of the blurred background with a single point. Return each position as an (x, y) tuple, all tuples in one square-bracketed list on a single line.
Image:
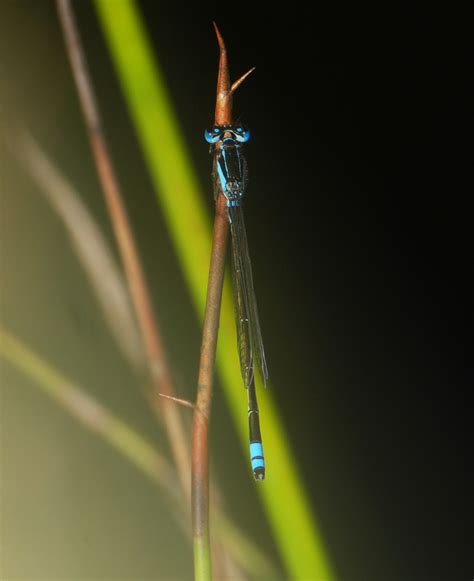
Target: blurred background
[(360, 237)]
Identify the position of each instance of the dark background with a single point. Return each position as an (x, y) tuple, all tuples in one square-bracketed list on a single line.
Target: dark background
[(360, 228), (361, 237)]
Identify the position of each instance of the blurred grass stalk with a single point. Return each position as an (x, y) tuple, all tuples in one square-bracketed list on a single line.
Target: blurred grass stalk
[(168, 411), (98, 419), (91, 247), (92, 414), (287, 506)]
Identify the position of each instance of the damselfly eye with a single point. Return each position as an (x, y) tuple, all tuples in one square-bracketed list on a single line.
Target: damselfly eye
[(212, 135), (241, 135)]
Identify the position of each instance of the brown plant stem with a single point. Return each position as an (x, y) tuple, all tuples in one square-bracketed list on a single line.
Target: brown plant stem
[(157, 361), (202, 410)]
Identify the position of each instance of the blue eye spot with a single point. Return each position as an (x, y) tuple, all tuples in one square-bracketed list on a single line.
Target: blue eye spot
[(241, 135), (216, 130), (210, 135)]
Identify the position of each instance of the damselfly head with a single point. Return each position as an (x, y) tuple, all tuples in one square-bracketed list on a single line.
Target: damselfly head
[(217, 133)]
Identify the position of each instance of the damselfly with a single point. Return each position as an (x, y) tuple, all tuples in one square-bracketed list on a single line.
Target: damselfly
[(230, 178)]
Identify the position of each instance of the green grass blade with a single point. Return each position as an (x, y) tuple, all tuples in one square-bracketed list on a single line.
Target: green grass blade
[(90, 412), (287, 507)]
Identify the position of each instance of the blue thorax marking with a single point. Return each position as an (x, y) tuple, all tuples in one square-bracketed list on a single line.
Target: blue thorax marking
[(222, 177)]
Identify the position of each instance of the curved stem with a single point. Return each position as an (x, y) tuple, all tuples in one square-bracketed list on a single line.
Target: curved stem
[(202, 410)]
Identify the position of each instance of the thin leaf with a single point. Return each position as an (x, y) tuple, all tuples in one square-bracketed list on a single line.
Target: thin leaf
[(92, 249), (90, 412)]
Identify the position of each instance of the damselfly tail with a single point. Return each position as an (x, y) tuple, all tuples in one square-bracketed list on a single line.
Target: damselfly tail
[(257, 458)]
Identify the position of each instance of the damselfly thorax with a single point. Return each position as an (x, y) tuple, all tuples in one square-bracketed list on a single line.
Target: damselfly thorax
[(230, 165)]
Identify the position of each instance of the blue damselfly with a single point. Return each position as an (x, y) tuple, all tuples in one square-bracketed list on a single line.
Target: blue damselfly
[(230, 179)]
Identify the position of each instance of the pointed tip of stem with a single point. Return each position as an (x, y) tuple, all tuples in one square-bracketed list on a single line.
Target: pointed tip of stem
[(224, 94), (220, 40), (223, 114)]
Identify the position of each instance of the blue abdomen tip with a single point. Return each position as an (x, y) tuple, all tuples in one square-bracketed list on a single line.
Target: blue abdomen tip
[(256, 456)]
